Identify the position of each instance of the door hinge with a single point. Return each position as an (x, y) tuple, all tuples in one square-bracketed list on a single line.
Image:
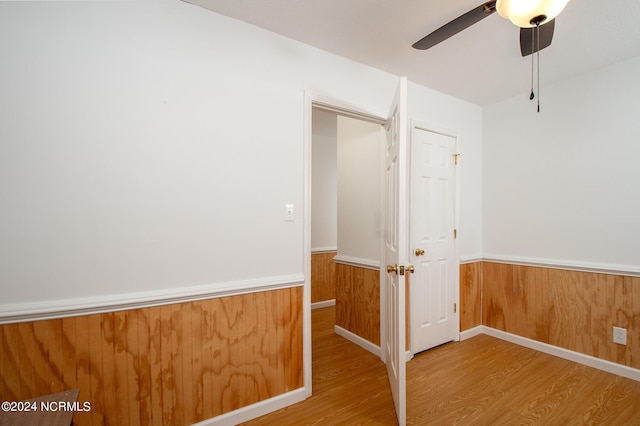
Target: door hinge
[(456, 157), (455, 234), (455, 308)]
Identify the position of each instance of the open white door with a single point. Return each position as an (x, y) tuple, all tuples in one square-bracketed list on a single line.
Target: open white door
[(396, 240)]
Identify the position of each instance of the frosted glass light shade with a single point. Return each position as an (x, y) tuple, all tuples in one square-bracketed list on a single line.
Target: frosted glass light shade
[(521, 12)]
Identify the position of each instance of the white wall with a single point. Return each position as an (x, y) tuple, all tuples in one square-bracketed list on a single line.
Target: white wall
[(360, 167), (149, 146), (449, 115), (153, 145), (324, 181), (564, 184)]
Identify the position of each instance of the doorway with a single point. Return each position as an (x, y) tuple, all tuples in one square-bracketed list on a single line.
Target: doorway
[(346, 220), (341, 236)]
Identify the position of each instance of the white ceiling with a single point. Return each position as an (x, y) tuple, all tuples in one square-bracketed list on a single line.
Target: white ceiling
[(482, 64)]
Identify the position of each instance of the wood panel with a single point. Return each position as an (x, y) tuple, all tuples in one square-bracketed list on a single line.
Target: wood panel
[(358, 301), (175, 364), (323, 277), (569, 309), (470, 295)]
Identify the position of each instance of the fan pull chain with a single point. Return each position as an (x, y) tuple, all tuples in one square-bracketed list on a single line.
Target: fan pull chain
[(535, 38), (533, 48), (538, 53)]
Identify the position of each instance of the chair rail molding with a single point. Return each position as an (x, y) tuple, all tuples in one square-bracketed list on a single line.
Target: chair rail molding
[(32, 311)]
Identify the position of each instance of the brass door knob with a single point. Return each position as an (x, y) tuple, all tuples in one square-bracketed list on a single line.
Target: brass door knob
[(419, 252), (391, 269), (410, 269)]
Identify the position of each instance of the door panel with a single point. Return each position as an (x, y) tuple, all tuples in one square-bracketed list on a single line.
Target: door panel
[(433, 320), (396, 243)]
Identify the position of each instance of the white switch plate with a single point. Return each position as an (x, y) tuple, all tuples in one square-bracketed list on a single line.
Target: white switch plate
[(620, 335), (288, 213)]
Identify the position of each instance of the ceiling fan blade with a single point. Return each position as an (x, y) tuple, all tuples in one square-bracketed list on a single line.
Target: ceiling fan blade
[(455, 26), (529, 42)]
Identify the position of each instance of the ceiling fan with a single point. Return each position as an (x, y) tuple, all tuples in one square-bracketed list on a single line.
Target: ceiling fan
[(536, 19)]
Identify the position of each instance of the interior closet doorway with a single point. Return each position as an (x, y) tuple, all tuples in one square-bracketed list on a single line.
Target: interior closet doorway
[(346, 219)]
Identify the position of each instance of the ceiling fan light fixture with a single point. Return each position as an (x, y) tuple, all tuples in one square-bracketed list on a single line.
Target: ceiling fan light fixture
[(529, 13)]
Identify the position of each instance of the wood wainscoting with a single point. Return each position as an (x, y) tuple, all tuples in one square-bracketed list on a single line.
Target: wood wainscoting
[(470, 295), (564, 308), (323, 276), (569, 309), (358, 301), (174, 364)]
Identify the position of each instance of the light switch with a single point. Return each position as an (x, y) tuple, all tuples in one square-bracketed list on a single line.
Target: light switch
[(288, 215)]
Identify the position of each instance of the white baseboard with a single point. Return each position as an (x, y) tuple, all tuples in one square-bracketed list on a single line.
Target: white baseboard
[(363, 343), (323, 250), (323, 304), (600, 364), (467, 334), (256, 410)]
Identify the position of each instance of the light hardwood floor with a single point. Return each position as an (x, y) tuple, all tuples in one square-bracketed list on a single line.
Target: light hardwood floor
[(480, 381)]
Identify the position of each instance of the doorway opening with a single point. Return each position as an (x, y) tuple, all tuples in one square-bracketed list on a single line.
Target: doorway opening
[(344, 209), (393, 234)]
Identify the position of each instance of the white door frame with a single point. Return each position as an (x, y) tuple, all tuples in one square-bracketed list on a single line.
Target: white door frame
[(311, 100), (430, 127)]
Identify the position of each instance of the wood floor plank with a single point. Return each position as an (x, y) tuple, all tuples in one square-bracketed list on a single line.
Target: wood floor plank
[(480, 381), (516, 385), (347, 382)]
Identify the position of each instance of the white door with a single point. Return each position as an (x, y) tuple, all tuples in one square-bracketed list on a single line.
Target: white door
[(432, 293), (396, 242)]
